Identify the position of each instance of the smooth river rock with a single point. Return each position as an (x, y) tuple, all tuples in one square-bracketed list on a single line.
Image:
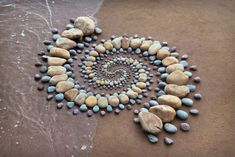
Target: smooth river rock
[(154, 48), (179, 91), (177, 77), (91, 101), (150, 122), (164, 112), (162, 53), (85, 24), (56, 70), (170, 100), (65, 43), (72, 33), (71, 94), (103, 102), (169, 61), (174, 67), (59, 52), (56, 61), (80, 98), (123, 98), (113, 101), (64, 86), (55, 79)]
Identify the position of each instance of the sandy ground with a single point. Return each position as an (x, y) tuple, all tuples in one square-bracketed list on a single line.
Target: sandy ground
[(205, 31)]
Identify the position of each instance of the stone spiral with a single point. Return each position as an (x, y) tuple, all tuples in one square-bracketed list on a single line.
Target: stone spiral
[(117, 63)]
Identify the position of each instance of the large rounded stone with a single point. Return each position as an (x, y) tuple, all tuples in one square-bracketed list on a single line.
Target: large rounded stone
[(94, 53), (73, 33), (169, 61), (56, 61), (174, 67), (170, 100), (91, 101), (59, 52), (179, 91), (103, 102), (113, 101), (86, 24), (131, 94), (56, 70), (108, 45), (164, 112), (71, 94), (135, 43), (64, 86), (150, 122), (123, 98), (177, 77), (55, 79), (136, 89), (65, 43), (162, 53), (145, 45), (154, 48), (117, 42), (80, 98)]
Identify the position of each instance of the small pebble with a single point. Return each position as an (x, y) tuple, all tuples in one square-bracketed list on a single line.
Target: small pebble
[(60, 105), (152, 138), (70, 105), (170, 128), (49, 97), (89, 113), (197, 79), (75, 111), (136, 120), (40, 87), (187, 102), (193, 68), (181, 114), (83, 108), (136, 111), (197, 96), (185, 127), (168, 141), (117, 111), (59, 97), (121, 106), (109, 108), (37, 77), (102, 113), (96, 109), (194, 111)]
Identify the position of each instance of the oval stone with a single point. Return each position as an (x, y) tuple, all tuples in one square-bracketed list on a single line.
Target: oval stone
[(179, 91), (177, 77), (91, 101), (170, 100), (170, 128), (164, 112)]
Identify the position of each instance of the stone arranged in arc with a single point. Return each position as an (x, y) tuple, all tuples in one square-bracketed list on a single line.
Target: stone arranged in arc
[(109, 65)]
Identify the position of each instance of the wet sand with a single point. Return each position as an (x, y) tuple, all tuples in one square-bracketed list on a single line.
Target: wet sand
[(205, 31), (202, 29)]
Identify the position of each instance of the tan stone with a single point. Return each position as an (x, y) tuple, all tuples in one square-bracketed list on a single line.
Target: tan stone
[(174, 67), (179, 91), (64, 86), (56, 61), (86, 24), (100, 48), (163, 53), (141, 85), (91, 101), (135, 43), (113, 101), (123, 98), (150, 122), (154, 48), (177, 77), (59, 52), (125, 43), (55, 79), (56, 70), (80, 98), (71, 94), (94, 53), (117, 42), (145, 45), (136, 89), (169, 61), (65, 43), (72, 33), (103, 102), (108, 45), (131, 94), (170, 100), (164, 112)]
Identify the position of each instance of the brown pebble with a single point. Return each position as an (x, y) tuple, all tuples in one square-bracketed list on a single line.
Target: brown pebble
[(40, 87), (49, 97), (197, 79), (46, 42), (193, 68)]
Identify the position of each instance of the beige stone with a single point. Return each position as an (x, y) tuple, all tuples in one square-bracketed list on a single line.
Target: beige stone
[(177, 77), (113, 101), (65, 43), (86, 24), (56, 70), (163, 53), (72, 33), (64, 86), (55, 61), (170, 100), (145, 45), (59, 52), (71, 94), (91, 101), (154, 48), (164, 112), (169, 61), (55, 79), (80, 98), (174, 67), (179, 91)]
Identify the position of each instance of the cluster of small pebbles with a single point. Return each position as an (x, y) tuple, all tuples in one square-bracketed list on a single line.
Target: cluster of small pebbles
[(106, 66)]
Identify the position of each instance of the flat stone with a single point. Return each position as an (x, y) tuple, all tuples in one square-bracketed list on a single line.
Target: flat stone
[(94, 53), (73, 33), (55, 61), (169, 61), (177, 77), (154, 48), (170, 100), (80, 98), (56, 70), (152, 138), (163, 53), (103, 102), (164, 112), (85, 24), (59, 52), (65, 43), (182, 114), (150, 122), (100, 48), (194, 111), (123, 98), (141, 85), (174, 67), (136, 89), (113, 101), (187, 102), (64, 86), (55, 79), (91, 101), (179, 91), (71, 94)]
